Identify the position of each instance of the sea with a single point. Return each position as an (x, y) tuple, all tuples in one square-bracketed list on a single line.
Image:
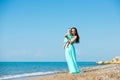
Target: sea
[(26, 70)]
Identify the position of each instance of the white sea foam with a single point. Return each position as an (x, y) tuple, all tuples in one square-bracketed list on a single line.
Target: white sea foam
[(26, 75)]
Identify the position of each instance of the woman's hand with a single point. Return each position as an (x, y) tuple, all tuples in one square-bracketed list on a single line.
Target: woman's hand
[(73, 40)]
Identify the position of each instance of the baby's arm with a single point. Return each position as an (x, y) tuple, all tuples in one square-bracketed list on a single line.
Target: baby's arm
[(66, 34)]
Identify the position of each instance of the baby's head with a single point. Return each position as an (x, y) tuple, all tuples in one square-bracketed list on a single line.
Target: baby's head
[(69, 30)]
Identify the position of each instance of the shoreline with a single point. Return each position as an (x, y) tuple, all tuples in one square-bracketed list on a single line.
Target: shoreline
[(102, 72), (15, 71)]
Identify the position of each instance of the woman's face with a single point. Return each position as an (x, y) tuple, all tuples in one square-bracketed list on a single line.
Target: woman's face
[(73, 32)]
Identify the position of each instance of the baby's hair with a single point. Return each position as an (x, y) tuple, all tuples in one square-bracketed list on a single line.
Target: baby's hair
[(69, 28)]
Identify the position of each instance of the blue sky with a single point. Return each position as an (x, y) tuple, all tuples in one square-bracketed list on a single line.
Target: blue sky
[(33, 30)]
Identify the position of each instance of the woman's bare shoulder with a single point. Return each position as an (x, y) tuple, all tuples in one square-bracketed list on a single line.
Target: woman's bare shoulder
[(74, 36)]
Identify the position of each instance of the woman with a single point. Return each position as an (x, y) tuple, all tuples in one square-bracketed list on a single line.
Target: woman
[(70, 52)]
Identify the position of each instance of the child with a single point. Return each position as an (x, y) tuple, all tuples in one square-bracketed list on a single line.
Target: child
[(69, 35)]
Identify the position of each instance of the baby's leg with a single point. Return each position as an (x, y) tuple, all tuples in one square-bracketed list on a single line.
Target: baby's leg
[(64, 45), (67, 44)]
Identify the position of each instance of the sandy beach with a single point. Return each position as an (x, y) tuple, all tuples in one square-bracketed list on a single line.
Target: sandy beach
[(102, 72)]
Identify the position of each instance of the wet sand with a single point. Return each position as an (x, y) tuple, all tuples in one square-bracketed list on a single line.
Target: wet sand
[(103, 72)]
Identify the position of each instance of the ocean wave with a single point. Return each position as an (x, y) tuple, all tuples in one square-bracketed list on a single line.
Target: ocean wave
[(26, 75)]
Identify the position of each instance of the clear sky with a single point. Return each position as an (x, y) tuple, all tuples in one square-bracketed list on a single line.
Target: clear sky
[(33, 30)]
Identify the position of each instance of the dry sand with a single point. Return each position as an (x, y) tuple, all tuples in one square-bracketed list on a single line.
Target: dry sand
[(103, 72)]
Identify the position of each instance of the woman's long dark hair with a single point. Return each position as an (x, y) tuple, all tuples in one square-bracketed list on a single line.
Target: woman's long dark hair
[(78, 38)]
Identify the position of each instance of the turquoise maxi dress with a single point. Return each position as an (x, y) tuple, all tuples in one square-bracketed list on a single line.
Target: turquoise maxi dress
[(71, 57)]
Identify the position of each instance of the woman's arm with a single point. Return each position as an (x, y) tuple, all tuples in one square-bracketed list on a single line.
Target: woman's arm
[(72, 41)]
